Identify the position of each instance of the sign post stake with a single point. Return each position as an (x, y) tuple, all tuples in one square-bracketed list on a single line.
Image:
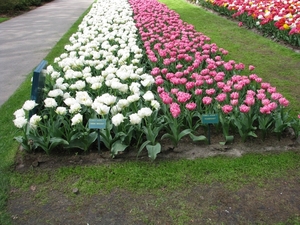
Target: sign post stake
[(98, 138), (208, 133)]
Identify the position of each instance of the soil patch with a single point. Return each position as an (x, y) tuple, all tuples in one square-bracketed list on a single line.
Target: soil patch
[(186, 149), (203, 204)]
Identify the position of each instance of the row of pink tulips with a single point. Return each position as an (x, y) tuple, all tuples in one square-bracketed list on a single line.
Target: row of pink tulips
[(192, 77)]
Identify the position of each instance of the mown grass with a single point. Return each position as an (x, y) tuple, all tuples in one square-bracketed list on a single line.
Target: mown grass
[(3, 19), (140, 177), (275, 63)]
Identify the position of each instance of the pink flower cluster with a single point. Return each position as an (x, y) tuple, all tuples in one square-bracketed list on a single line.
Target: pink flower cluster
[(190, 72)]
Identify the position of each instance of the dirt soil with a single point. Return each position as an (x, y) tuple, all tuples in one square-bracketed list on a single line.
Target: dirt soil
[(278, 200)]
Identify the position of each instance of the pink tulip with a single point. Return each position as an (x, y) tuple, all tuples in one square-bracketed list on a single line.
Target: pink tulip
[(155, 71), (258, 80), (276, 96), (261, 96), (227, 109), (226, 89), (228, 66), (191, 106), (179, 66), (213, 73), (209, 81), (204, 72), (236, 78), (167, 62), (221, 85), (234, 102), (272, 106), (162, 53), (190, 85), (188, 58), (238, 86), (183, 80), (174, 91), (159, 81), (249, 101), (199, 83), (265, 101), (175, 80), (175, 109), (265, 85), (271, 90), (183, 97), (244, 108), (152, 59), (210, 91), (224, 52), (165, 98), (234, 95), (265, 110), (211, 66), (164, 71), (239, 66), (170, 75), (198, 92), (251, 93), (251, 67), (218, 58), (283, 102), (179, 74), (207, 100), (219, 78), (253, 77), (221, 97), (160, 89)]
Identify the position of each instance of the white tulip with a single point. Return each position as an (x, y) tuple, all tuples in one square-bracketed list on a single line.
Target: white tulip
[(117, 119)]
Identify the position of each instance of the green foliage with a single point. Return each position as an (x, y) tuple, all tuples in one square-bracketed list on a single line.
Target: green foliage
[(13, 6)]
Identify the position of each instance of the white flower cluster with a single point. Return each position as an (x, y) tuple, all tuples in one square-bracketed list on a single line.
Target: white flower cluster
[(20, 120), (100, 70)]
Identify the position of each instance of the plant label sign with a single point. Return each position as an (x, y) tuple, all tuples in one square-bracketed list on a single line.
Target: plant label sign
[(97, 123), (38, 83), (210, 118)]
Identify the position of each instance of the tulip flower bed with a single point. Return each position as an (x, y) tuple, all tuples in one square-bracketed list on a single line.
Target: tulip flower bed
[(277, 19), (150, 76)]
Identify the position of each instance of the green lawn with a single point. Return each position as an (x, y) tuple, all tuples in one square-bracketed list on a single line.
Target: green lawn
[(3, 19)]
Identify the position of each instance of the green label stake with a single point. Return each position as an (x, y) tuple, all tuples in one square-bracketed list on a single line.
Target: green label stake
[(210, 119), (97, 124)]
